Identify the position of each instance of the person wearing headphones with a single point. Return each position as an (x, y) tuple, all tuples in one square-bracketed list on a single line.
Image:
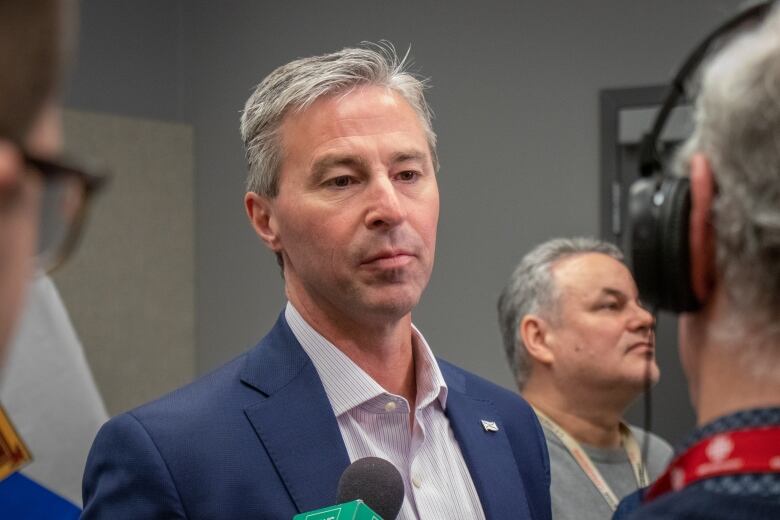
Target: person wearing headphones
[(729, 467)]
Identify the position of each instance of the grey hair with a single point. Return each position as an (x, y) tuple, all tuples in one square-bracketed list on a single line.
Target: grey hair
[(738, 130), (531, 290), (300, 83)]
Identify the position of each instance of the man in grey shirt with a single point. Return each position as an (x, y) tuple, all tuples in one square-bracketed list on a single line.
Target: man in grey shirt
[(581, 346)]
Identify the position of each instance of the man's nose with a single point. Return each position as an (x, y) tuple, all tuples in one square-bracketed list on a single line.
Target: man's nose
[(641, 319), (385, 208)]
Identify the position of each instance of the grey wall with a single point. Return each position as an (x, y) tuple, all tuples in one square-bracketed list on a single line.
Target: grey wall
[(515, 88), (129, 288), (129, 59)]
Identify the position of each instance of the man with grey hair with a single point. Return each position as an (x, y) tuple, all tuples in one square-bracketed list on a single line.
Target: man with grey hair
[(342, 188), (581, 346), (729, 467)]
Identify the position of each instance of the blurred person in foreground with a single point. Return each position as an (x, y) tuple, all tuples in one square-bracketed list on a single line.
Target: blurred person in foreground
[(43, 199), (31, 62), (580, 345), (343, 189), (42, 204), (729, 467)]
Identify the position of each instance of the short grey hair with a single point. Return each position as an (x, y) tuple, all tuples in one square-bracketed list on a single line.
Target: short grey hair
[(531, 290), (737, 128), (300, 83)]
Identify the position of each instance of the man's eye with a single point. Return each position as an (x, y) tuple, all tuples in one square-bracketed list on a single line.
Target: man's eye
[(407, 176), (341, 182)]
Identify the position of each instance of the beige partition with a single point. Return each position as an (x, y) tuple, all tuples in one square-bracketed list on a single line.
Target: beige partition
[(130, 286)]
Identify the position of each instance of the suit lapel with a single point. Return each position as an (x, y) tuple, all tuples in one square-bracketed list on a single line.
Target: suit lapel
[(488, 454), (295, 421)]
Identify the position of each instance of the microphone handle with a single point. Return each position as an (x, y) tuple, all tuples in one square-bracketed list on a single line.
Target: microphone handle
[(355, 510)]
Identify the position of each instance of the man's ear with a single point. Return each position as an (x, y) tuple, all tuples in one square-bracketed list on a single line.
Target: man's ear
[(701, 232), (534, 331), (259, 209)]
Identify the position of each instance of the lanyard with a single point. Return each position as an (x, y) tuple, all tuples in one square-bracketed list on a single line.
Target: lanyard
[(589, 468), (753, 450)]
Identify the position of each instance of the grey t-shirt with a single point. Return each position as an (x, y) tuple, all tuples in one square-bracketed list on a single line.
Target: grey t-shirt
[(574, 497)]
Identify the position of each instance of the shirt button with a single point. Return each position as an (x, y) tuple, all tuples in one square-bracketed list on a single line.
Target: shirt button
[(390, 406), (417, 482)]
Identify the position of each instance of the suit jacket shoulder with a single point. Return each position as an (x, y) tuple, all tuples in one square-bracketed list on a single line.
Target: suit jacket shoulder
[(245, 441)]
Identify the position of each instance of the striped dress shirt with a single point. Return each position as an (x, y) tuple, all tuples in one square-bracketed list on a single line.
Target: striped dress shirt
[(375, 423)]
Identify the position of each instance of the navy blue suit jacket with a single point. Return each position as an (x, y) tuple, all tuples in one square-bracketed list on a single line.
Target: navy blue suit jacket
[(257, 438)]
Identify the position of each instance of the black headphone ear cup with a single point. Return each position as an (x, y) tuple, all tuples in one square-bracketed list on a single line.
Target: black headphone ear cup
[(675, 214), (644, 249), (659, 209)]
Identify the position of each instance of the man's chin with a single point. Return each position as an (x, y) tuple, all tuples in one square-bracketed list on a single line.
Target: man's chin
[(390, 306), (391, 309), (639, 378), (633, 379)]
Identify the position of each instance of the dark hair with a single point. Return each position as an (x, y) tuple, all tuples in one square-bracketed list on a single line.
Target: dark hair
[(31, 58)]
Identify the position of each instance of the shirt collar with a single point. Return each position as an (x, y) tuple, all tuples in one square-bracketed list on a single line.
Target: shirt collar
[(743, 419), (347, 385)]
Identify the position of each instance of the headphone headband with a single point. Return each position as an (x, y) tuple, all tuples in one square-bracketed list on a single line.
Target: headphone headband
[(649, 157)]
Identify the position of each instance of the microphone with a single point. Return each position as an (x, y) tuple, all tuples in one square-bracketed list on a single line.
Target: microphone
[(371, 488), (376, 482)]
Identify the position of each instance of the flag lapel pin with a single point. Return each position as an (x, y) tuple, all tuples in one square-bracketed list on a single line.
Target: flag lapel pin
[(489, 426)]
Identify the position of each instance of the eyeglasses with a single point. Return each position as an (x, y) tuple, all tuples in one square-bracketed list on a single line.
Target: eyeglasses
[(67, 192)]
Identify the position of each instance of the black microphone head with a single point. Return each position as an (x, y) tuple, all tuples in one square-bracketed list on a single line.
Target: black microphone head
[(376, 482)]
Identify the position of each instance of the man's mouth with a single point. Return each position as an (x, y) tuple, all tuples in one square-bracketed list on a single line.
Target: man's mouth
[(646, 347), (388, 259)]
